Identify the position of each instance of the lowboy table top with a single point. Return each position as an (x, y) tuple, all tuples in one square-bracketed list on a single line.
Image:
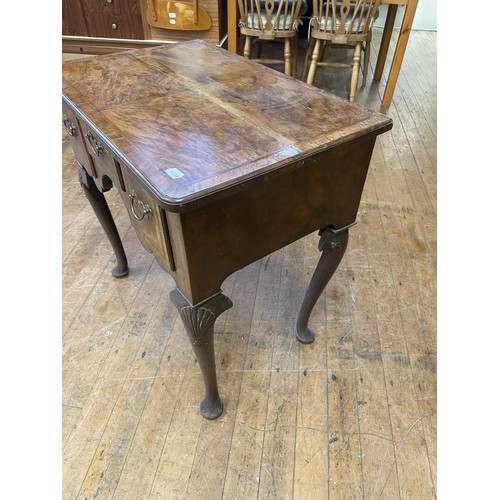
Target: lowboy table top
[(194, 120)]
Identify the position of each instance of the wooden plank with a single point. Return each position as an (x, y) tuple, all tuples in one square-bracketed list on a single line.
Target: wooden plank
[(163, 388), (311, 447), (231, 347), (345, 464), (279, 447), (88, 255), (214, 444), (82, 444), (276, 444), (276, 476), (393, 309), (376, 441), (176, 461), (411, 461), (425, 380), (243, 468), (92, 326), (380, 477)]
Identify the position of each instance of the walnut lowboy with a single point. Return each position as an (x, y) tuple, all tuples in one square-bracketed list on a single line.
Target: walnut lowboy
[(220, 162)]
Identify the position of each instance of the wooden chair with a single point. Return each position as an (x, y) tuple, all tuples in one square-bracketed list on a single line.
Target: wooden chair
[(269, 20), (345, 23)]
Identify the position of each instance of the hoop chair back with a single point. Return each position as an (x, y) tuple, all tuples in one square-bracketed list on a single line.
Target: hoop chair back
[(344, 23), (345, 20), (270, 20)]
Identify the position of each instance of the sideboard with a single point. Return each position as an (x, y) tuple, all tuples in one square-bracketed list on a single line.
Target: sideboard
[(104, 26)]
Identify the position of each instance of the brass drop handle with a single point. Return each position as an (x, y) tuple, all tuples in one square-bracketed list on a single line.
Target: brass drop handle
[(94, 144), (70, 126), (145, 209)]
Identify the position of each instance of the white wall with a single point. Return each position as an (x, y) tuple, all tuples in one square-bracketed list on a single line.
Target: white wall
[(425, 17)]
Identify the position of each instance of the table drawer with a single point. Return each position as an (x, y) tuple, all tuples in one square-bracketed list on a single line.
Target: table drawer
[(148, 219), (74, 130), (90, 149), (102, 158)]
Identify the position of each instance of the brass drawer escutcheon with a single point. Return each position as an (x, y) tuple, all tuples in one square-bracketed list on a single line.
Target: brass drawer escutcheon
[(96, 146), (70, 126), (144, 208)]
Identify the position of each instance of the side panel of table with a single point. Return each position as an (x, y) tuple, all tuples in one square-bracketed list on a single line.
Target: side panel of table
[(222, 237)]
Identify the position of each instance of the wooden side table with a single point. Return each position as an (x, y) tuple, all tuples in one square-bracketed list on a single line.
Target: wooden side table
[(220, 161), (410, 7)]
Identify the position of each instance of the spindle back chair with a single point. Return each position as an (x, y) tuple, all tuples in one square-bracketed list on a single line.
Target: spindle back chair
[(346, 23), (267, 20)]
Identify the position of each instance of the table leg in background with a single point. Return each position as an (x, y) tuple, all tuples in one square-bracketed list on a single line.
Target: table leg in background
[(231, 26), (404, 35), (100, 206), (386, 39)]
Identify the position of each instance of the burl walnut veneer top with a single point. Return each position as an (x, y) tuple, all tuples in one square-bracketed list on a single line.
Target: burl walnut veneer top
[(193, 119)]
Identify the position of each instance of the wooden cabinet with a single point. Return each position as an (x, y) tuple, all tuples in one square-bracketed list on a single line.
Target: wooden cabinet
[(103, 18), (73, 18), (102, 26)]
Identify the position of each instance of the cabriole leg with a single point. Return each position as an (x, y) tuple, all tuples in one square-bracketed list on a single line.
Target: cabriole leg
[(332, 246), (100, 206), (199, 322)]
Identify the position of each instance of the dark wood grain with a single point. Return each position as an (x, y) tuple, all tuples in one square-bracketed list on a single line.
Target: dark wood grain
[(99, 18), (224, 117)]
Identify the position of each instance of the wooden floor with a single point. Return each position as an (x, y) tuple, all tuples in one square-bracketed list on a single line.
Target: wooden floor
[(352, 415)]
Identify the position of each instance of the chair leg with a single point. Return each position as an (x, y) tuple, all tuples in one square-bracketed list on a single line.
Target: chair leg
[(295, 52), (314, 61), (366, 60), (355, 71), (322, 52), (307, 58), (247, 49), (288, 57)]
